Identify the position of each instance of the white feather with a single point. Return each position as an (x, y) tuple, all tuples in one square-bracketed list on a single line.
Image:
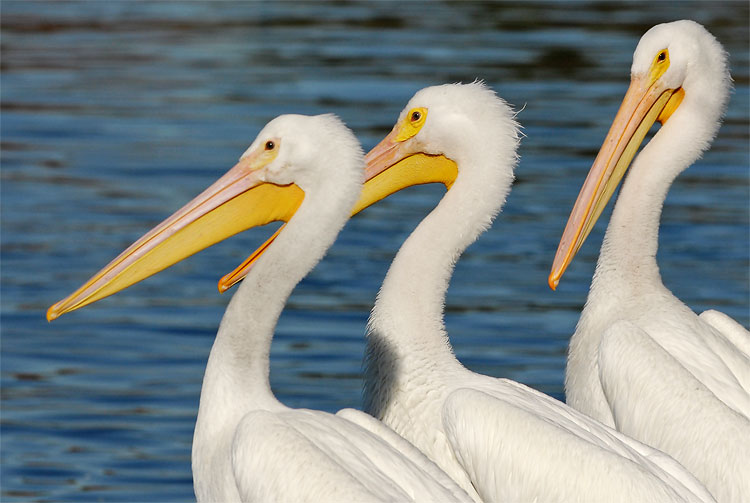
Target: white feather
[(499, 440), (248, 446), (696, 398)]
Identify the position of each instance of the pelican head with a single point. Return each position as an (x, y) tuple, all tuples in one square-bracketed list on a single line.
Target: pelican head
[(307, 151), (452, 125), (680, 79), (269, 183)]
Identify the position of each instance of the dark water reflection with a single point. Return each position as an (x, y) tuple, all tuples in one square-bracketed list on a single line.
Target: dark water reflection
[(116, 113)]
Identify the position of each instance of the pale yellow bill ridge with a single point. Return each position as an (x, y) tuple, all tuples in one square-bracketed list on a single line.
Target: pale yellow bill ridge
[(646, 101)]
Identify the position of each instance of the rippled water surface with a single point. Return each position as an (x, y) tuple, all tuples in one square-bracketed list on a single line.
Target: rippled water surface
[(116, 113)]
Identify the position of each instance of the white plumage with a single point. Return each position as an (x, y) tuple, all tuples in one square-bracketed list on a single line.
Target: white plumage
[(248, 446), (500, 440), (640, 360)]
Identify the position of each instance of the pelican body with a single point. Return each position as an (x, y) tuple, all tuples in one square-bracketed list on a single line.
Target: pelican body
[(640, 360), (498, 439), (247, 446)]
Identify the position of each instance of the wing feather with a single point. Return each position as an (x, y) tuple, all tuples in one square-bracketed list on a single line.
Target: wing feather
[(712, 440), (518, 454), (305, 455)]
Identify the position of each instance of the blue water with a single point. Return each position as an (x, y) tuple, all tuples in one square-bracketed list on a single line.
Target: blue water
[(116, 113)]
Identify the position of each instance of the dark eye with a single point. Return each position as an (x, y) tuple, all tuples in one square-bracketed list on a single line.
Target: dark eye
[(662, 56), (415, 116), (270, 145)]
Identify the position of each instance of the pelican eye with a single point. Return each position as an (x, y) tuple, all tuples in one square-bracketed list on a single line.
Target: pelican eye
[(270, 145), (412, 123), (659, 65)]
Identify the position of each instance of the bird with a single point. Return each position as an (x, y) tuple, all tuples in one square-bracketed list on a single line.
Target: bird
[(641, 360), (498, 439), (247, 445)]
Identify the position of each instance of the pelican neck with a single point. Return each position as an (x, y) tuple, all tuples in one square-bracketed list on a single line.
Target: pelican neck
[(628, 253), (407, 320), (240, 355), (631, 241)]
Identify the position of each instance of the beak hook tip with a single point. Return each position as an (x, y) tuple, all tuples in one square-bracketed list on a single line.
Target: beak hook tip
[(52, 314), (553, 281)]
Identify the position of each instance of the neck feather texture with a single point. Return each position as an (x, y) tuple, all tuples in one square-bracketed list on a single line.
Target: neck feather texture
[(239, 360), (237, 374), (628, 254), (406, 333)]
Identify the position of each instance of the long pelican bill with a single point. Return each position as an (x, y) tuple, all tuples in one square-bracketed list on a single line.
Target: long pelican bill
[(645, 102), (391, 166), (236, 202)]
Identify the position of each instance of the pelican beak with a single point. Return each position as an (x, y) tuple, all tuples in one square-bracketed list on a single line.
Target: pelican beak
[(392, 165), (646, 101), (239, 200)]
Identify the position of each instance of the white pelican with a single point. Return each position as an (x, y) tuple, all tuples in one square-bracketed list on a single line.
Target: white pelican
[(247, 445), (500, 440), (641, 360)]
